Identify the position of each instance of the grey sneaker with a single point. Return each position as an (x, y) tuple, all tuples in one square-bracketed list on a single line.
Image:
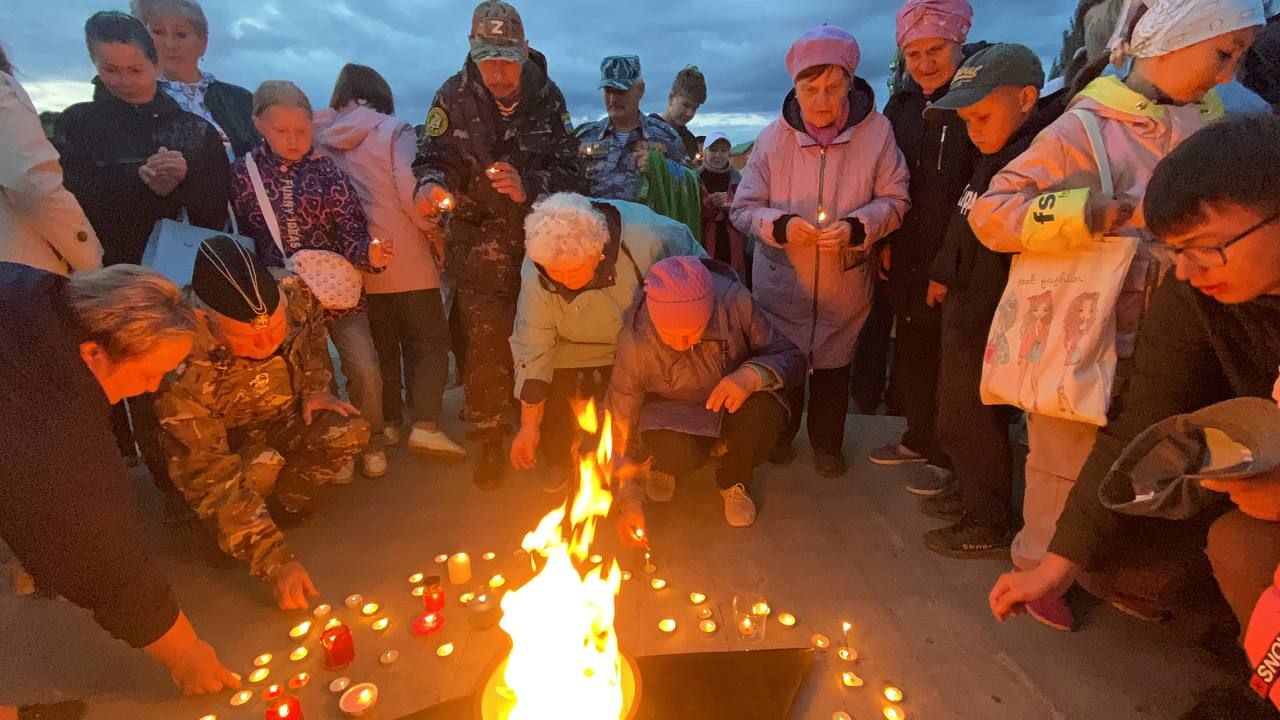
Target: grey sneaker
[(392, 434), (929, 480), (346, 475), (374, 464), (739, 510), (894, 454), (660, 486)]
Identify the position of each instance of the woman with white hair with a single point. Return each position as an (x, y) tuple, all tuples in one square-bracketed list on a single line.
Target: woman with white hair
[(584, 263), (181, 34)]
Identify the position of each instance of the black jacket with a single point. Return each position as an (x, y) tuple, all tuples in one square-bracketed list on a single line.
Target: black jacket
[(975, 276), (232, 106), (465, 133), (66, 507), (105, 141), (940, 159)]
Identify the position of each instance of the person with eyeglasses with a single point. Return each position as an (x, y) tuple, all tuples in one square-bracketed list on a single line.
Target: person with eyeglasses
[(1211, 333)]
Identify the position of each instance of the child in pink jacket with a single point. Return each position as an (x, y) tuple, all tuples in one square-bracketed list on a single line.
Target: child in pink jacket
[(1179, 51)]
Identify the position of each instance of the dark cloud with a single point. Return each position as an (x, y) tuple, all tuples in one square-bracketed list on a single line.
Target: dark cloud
[(416, 44)]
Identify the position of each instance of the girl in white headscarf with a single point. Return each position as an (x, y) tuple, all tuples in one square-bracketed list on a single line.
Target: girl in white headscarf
[(1172, 53)]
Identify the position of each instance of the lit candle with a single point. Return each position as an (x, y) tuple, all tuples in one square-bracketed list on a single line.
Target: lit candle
[(704, 613), (466, 598), (322, 611), (760, 608), (418, 591), (893, 712), (380, 624), (892, 694), (300, 680), (444, 650), (820, 642), (285, 707), (442, 559), (491, 171), (746, 626), (840, 715), (483, 611), (667, 625), (445, 204), (389, 657), (339, 684), (339, 648), (354, 601), (208, 717), (497, 581), (488, 556), (626, 575), (697, 598), (786, 619), (272, 692), (262, 660), (847, 654), (415, 578), (649, 567), (846, 627), (427, 623), (299, 653), (333, 623), (657, 583), (596, 559), (433, 597), (369, 609), (850, 679), (357, 700), (259, 675), (459, 568), (241, 698), (822, 216), (708, 626), (300, 630)]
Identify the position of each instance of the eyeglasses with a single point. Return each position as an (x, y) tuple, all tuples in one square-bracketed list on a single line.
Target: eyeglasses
[(1205, 257)]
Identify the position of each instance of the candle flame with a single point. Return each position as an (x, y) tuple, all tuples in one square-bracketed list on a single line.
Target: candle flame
[(283, 711), (364, 696), (561, 621)]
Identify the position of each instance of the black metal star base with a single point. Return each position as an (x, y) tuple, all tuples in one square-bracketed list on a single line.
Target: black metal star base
[(753, 685)]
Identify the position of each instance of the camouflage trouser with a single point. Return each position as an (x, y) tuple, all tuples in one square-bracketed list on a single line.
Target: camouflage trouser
[(488, 320), (289, 459)]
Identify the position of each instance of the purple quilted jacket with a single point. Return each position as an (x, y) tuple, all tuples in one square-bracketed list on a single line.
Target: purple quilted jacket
[(325, 213)]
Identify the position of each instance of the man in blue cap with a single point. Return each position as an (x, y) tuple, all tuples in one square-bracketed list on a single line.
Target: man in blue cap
[(614, 150)]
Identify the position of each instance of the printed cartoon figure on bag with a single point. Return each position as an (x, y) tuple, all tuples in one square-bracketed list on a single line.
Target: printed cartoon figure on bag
[(1082, 315), (1035, 334), (997, 352)]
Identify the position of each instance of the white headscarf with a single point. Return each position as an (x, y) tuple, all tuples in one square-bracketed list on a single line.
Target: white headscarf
[(1151, 28)]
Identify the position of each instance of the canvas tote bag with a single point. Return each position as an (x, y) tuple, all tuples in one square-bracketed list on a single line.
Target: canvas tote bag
[(1051, 349)]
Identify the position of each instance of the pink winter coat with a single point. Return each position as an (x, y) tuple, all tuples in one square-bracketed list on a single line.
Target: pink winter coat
[(1137, 134), (376, 151), (806, 292)]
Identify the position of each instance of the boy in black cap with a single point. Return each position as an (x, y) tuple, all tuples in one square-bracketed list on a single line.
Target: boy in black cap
[(248, 422), (995, 93)]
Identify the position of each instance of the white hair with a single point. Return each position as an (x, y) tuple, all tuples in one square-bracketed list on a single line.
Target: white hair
[(148, 11), (564, 227)]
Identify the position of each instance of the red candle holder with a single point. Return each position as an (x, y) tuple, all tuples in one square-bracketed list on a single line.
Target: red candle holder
[(339, 648), (427, 623), (285, 707), (272, 692), (433, 597)]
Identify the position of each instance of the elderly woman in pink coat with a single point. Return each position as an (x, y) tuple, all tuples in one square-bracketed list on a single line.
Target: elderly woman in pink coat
[(825, 182)]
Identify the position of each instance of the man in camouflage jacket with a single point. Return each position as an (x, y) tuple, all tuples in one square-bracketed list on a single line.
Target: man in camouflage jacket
[(245, 429), (496, 139)]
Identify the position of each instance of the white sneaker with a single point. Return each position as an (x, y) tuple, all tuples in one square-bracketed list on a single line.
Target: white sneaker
[(739, 509), (346, 475), (374, 464), (435, 443), (660, 486), (392, 434)]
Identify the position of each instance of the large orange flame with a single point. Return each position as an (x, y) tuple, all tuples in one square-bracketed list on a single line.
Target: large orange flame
[(564, 661)]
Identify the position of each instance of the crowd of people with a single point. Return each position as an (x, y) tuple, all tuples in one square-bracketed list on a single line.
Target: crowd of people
[(711, 310)]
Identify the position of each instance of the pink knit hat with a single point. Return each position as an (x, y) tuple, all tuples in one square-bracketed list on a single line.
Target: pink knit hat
[(677, 292), (946, 19), (823, 45)]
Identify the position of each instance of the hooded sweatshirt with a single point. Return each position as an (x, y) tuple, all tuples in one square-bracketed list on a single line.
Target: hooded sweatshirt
[(819, 299), (376, 152), (1137, 133)]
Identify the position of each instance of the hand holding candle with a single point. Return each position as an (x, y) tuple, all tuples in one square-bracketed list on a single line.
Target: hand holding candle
[(431, 200), (801, 232), (506, 180)]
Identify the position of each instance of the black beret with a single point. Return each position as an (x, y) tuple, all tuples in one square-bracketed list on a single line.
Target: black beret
[(229, 280)]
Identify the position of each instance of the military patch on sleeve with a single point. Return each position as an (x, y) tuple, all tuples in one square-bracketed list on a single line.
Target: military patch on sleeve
[(437, 122)]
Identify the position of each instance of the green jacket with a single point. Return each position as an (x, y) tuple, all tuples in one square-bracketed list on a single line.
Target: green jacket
[(678, 196), (561, 328)]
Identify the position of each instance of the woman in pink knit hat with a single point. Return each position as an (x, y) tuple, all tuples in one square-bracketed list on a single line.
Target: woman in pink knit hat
[(824, 184), (699, 370)]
